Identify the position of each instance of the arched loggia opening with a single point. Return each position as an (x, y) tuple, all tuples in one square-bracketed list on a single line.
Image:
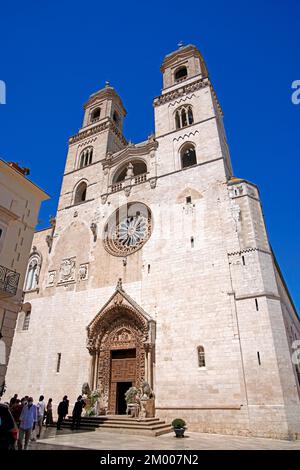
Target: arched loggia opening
[(130, 169)]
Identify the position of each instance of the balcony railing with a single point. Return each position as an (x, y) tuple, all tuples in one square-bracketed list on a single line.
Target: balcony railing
[(9, 281), (116, 187), (128, 182), (140, 178)]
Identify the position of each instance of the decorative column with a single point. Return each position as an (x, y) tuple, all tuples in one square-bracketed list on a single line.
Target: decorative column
[(96, 363), (148, 364), (92, 369)]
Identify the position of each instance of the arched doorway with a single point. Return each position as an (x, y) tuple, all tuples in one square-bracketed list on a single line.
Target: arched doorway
[(120, 341)]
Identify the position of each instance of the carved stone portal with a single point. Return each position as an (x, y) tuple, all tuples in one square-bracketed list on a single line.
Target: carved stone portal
[(118, 340)]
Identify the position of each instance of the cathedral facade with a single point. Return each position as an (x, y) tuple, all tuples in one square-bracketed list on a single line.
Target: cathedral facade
[(158, 268)]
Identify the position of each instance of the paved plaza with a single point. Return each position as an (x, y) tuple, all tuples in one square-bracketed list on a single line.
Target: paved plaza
[(104, 440)]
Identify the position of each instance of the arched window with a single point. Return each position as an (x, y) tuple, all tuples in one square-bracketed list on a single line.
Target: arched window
[(130, 169), (26, 319), (116, 118), (33, 272), (95, 115), (201, 356), (86, 157), (2, 352), (188, 156), (184, 117), (190, 116), (177, 120), (80, 193), (180, 74)]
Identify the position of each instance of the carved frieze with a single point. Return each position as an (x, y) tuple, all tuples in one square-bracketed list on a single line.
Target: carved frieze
[(67, 270), (109, 124), (83, 272), (127, 190), (51, 278), (180, 92), (104, 198), (93, 228), (153, 182)]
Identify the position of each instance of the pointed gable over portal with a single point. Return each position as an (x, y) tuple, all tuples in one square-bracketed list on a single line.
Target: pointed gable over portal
[(120, 305)]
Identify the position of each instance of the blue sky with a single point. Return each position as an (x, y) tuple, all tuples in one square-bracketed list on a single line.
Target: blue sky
[(55, 54)]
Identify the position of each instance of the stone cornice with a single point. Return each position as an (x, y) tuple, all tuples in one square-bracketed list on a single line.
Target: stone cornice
[(234, 180), (7, 215), (107, 125), (180, 54), (202, 83), (185, 89), (131, 150)]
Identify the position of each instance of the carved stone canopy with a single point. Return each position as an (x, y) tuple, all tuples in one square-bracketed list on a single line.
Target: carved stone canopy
[(120, 308), (131, 151)]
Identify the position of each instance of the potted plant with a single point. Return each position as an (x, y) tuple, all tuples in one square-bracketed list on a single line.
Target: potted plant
[(179, 427)]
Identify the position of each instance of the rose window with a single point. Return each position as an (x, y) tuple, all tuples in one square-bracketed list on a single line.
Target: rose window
[(128, 229)]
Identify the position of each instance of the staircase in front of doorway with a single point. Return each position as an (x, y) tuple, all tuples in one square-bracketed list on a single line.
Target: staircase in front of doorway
[(122, 424)]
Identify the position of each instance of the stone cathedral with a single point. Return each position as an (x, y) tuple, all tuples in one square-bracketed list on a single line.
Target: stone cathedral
[(158, 268)]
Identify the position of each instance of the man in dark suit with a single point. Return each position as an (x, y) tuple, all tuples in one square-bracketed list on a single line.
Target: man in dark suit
[(77, 410), (62, 411)]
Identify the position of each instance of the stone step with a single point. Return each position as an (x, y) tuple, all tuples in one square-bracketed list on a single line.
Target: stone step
[(122, 424), (142, 430), (116, 418), (132, 426), (130, 422)]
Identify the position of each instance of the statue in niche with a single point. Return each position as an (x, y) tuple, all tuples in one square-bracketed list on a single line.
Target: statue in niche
[(129, 173)]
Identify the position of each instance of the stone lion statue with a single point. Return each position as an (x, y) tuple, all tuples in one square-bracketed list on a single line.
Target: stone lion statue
[(146, 390)]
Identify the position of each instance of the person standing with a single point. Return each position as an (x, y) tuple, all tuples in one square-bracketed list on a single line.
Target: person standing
[(16, 411), (28, 420), (49, 417), (41, 411), (62, 411), (77, 410), (13, 400)]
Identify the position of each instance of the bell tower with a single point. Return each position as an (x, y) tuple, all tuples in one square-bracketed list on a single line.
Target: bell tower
[(188, 117), (101, 134), (102, 127)]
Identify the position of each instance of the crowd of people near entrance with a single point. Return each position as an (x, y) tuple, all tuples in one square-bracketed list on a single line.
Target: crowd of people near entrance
[(30, 418)]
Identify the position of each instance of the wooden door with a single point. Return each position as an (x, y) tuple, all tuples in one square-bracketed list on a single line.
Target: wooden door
[(123, 369)]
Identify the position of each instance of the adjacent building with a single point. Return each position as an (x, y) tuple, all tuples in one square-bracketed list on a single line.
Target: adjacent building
[(20, 201)]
